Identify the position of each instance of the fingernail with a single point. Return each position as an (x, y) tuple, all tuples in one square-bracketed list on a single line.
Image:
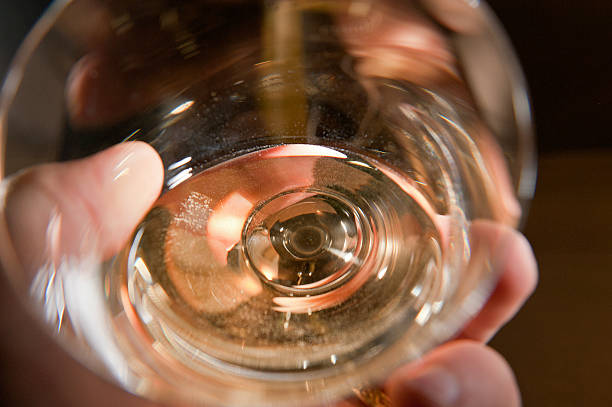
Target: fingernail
[(433, 387)]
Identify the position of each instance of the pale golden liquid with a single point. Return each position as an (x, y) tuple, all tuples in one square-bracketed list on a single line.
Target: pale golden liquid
[(206, 284)]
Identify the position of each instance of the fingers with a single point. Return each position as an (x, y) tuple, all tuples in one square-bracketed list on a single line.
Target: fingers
[(501, 195), (467, 373), (397, 43), (68, 209), (511, 252), (97, 93), (459, 374), (148, 56)]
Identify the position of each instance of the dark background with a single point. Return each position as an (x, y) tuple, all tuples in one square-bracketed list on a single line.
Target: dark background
[(559, 344)]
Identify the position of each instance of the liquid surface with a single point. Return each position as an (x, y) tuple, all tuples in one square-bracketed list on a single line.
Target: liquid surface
[(288, 258)]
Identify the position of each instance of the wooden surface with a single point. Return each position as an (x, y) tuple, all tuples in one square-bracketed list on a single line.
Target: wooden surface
[(560, 343)]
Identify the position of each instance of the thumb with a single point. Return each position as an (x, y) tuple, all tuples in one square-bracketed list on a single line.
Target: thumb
[(68, 209), (458, 374)]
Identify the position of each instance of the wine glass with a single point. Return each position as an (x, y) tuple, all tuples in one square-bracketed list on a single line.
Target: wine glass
[(328, 167)]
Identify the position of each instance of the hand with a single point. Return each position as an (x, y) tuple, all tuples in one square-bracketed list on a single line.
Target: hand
[(85, 198), (465, 372), (87, 195), (80, 196)]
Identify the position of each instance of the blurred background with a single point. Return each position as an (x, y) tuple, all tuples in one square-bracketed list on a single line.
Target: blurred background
[(559, 343)]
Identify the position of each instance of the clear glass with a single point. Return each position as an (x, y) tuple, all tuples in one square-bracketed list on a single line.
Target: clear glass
[(328, 165)]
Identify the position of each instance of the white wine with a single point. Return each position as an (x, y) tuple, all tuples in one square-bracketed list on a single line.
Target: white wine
[(288, 258), (323, 162)]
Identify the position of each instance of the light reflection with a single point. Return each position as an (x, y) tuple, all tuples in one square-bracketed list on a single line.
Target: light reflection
[(303, 150), (181, 108), (359, 163), (180, 177), (270, 273), (381, 273), (143, 270), (436, 306), (132, 134), (73, 300), (347, 257), (226, 223), (423, 315), (250, 285), (287, 319), (179, 163), (122, 163)]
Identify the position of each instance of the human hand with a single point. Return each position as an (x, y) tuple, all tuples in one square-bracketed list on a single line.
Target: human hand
[(90, 195), (463, 369)]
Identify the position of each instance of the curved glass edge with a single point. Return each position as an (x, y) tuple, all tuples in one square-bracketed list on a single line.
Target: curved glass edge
[(14, 75), (525, 182)]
